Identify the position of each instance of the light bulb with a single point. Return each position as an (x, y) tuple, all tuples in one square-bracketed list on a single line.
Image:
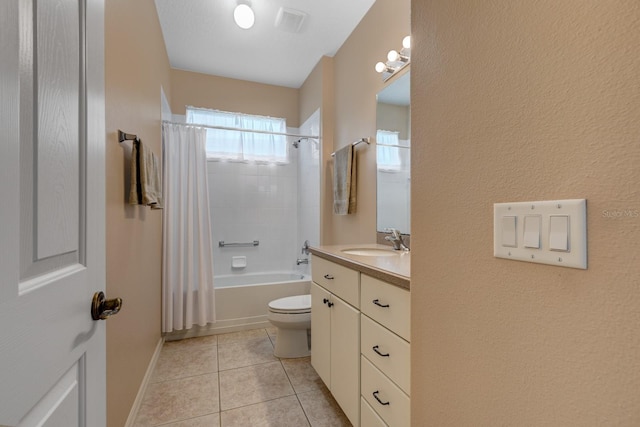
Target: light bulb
[(406, 42), (380, 67), (244, 17), (393, 56)]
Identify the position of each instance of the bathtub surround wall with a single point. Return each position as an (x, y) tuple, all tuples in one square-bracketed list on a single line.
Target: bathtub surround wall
[(318, 93), (136, 68), (520, 101), (308, 196), (248, 202)]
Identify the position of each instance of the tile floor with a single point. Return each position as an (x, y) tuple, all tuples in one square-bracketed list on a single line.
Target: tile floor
[(235, 380)]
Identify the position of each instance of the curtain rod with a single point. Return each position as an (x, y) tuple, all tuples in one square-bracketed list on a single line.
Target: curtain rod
[(243, 130)]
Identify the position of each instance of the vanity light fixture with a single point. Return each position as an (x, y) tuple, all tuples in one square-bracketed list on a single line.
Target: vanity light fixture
[(381, 67), (396, 61), (243, 16), (406, 42), (394, 56)]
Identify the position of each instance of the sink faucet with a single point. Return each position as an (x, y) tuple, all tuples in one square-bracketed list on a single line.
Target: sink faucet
[(396, 239)]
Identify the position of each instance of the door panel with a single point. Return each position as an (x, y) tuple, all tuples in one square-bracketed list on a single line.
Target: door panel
[(57, 70), (61, 406), (345, 358), (52, 354)]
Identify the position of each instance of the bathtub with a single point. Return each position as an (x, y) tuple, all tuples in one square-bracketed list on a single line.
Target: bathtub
[(252, 279), (242, 299)]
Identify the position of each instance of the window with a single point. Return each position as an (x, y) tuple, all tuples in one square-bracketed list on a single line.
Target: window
[(242, 146), (388, 156)]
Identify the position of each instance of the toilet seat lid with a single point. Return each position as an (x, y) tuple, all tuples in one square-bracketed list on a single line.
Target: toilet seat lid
[(297, 304)]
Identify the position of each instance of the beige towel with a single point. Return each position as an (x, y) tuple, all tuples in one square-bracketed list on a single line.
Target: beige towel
[(344, 181), (146, 187)]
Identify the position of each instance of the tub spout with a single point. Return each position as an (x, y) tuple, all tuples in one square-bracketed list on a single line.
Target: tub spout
[(302, 261)]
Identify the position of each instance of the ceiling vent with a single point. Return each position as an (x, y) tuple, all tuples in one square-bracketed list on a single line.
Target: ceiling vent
[(290, 20)]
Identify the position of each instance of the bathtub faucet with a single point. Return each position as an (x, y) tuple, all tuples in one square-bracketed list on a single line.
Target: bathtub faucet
[(302, 261)]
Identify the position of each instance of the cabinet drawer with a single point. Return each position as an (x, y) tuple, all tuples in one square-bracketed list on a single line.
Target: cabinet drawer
[(389, 402), (338, 280), (387, 304), (387, 351), (368, 417)]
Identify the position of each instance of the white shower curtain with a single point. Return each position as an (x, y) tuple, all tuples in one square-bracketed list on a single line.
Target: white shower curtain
[(187, 279)]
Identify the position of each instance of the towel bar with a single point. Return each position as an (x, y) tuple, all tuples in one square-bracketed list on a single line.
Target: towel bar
[(122, 137), (222, 244), (365, 140)]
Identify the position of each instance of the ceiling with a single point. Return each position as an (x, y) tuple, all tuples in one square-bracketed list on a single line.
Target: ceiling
[(201, 36)]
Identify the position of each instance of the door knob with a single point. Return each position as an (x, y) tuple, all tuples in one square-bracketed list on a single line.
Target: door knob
[(102, 308)]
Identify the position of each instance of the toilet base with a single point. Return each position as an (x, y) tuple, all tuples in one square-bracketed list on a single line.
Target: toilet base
[(292, 343)]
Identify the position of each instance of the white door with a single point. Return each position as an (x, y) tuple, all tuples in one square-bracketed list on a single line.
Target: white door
[(52, 354)]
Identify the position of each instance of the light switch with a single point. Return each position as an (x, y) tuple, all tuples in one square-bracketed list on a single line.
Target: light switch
[(552, 232), (532, 231), (559, 233), (509, 231)]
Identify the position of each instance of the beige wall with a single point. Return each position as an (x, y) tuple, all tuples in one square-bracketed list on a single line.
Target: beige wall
[(356, 86), (522, 101), (395, 118), (202, 90), (136, 68), (310, 93)]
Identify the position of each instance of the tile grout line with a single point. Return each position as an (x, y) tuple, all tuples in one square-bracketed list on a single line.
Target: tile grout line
[(295, 392)]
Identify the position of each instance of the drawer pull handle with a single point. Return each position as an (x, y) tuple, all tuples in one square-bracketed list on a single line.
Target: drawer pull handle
[(377, 302), (324, 300), (375, 348), (328, 277), (375, 394), (330, 304)]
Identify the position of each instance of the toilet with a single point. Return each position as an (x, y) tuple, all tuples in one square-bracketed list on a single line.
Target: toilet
[(292, 317)]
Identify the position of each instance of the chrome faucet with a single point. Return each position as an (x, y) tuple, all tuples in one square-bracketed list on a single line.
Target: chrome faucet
[(396, 239), (302, 261), (305, 248)]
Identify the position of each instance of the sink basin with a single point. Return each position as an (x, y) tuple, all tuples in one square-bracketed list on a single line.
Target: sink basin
[(370, 252)]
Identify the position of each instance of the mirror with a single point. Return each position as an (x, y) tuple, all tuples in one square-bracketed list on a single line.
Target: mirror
[(393, 162)]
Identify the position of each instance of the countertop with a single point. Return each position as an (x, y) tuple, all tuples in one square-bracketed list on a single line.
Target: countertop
[(392, 269)]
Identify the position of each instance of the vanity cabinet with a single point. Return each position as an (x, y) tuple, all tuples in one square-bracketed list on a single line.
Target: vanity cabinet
[(360, 348), (386, 352), (335, 333)]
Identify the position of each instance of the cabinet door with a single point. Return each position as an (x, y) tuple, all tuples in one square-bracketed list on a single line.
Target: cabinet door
[(345, 358), (321, 333)]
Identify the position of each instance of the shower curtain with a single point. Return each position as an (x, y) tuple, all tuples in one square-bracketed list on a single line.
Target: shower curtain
[(187, 255)]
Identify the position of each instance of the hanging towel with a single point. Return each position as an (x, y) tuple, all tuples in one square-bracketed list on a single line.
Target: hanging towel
[(145, 178), (344, 181)]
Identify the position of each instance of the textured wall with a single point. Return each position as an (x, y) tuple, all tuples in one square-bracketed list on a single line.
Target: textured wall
[(136, 68), (519, 101)]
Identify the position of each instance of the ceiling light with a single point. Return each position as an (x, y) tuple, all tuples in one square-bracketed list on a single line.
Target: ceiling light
[(244, 16)]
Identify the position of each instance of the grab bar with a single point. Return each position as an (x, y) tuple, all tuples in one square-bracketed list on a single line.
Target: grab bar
[(222, 244)]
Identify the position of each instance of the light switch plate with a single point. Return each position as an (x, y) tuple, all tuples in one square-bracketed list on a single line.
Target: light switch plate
[(574, 209)]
